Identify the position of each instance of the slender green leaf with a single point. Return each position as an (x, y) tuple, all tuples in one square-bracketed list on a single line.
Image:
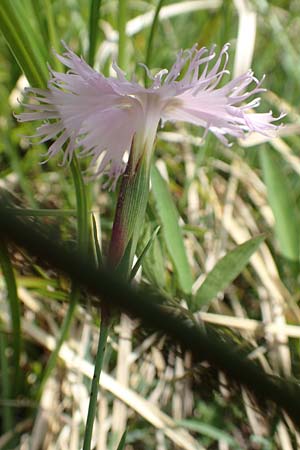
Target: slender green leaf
[(122, 442), (104, 331), (209, 431), (225, 271), (122, 14), (52, 31), (82, 208), (151, 37), (143, 254), (14, 307), (93, 28), (6, 415), (280, 195), (97, 248), (153, 261), (21, 40), (172, 233)]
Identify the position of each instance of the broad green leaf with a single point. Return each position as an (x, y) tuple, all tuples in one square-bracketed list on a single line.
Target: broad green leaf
[(171, 231), (225, 271), (280, 195)]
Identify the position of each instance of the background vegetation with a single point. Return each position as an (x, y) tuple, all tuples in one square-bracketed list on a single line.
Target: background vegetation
[(213, 199)]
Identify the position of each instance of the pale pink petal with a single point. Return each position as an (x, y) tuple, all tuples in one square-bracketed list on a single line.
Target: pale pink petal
[(101, 116)]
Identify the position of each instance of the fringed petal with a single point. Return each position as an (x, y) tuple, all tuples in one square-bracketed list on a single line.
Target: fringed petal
[(82, 108)]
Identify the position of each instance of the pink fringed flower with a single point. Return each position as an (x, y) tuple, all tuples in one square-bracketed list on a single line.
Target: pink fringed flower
[(101, 116)]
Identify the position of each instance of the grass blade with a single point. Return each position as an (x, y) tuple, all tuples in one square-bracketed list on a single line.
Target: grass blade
[(151, 36), (122, 13), (93, 27), (6, 415), (14, 307), (20, 39), (97, 248), (171, 231), (209, 431), (282, 203), (122, 442), (53, 38), (104, 329), (144, 252)]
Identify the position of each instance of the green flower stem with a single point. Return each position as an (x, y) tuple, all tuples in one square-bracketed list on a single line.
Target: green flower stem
[(82, 244), (122, 33), (129, 217), (93, 24), (95, 384)]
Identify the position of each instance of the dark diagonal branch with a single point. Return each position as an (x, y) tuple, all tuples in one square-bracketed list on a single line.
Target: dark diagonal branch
[(204, 344)]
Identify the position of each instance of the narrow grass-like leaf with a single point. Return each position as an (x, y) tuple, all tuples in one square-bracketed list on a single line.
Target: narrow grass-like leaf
[(93, 28), (143, 254), (54, 40), (104, 330), (82, 207), (14, 308), (280, 195), (33, 8), (150, 38), (122, 442), (209, 431), (171, 231), (122, 14), (6, 413), (153, 262), (20, 38), (34, 23), (98, 253), (225, 271)]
